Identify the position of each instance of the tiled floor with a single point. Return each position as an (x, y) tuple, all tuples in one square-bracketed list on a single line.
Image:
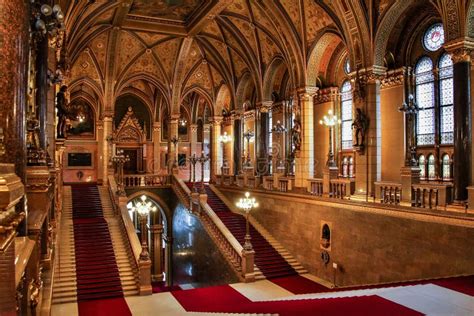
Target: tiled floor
[(428, 299)]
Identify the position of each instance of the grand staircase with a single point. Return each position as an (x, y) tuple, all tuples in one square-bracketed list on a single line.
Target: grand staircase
[(94, 260), (271, 259)]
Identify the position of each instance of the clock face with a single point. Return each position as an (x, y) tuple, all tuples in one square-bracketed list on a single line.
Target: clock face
[(434, 37)]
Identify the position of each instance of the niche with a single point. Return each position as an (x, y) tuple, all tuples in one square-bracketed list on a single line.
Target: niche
[(325, 236)]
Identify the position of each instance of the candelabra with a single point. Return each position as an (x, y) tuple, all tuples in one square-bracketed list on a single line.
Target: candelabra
[(410, 109), (193, 160), (143, 208), (174, 140), (279, 129), (224, 139), (247, 204), (330, 121), (203, 159), (248, 136), (120, 159), (47, 19)]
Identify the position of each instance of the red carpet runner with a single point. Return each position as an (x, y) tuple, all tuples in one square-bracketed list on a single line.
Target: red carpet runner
[(225, 299), (267, 259), (96, 268)]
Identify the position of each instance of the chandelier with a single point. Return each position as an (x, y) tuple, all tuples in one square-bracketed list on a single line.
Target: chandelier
[(47, 19)]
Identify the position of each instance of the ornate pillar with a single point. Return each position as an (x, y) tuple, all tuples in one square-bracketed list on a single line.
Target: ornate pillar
[(106, 137), (461, 55), (169, 260), (305, 118), (102, 142), (157, 236), (193, 141), (261, 136), (216, 147), (237, 136), (14, 46), (369, 157), (173, 133), (156, 147)]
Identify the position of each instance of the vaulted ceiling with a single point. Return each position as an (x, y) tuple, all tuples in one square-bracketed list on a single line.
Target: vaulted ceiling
[(164, 49)]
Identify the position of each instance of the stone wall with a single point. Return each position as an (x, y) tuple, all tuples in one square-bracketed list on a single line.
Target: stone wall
[(369, 248)]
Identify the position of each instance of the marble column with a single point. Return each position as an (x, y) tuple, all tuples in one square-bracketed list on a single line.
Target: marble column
[(194, 141), (369, 160), (102, 142), (42, 88), (462, 118), (169, 260), (157, 236), (14, 23), (104, 146), (261, 136), (173, 149), (237, 151), (305, 158), (216, 147), (156, 148)]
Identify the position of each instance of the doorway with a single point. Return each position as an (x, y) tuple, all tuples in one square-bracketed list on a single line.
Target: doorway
[(131, 167)]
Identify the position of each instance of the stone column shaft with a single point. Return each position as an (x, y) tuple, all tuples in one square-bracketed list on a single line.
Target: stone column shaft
[(157, 148), (106, 154), (216, 147)]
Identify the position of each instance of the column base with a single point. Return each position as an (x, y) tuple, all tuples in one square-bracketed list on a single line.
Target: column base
[(409, 176)]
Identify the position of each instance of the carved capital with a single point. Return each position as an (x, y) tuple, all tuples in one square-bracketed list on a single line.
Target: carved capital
[(395, 77), (305, 93), (215, 120), (460, 51), (156, 127), (326, 95), (265, 106)]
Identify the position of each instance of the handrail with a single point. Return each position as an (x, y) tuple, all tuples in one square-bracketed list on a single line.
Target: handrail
[(222, 228), (126, 220)]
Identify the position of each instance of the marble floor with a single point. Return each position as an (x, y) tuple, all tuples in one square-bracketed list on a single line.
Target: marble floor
[(428, 299)]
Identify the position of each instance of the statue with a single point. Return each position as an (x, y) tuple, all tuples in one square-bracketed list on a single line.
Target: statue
[(61, 105), (296, 135), (360, 124)]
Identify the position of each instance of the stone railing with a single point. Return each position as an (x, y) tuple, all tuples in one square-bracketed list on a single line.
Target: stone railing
[(145, 180), (315, 187), (143, 268), (388, 192), (426, 196), (181, 190), (241, 260), (341, 188), (267, 182), (224, 179)]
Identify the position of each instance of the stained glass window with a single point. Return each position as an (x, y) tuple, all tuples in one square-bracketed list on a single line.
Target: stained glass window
[(422, 165), (434, 37), (446, 167), (347, 66), (446, 88), (346, 115), (431, 167), (426, 101)]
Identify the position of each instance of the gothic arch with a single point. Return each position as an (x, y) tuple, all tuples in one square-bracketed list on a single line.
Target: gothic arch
[(166, 212), (316, 56), (270, 76), (223, 100)]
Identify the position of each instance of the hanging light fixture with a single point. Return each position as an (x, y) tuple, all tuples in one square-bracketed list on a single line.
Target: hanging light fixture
[(47, 19)]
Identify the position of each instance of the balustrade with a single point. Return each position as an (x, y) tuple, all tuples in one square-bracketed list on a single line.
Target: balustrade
[(315, 187), (425, 196), (388, 192), (145, 180)]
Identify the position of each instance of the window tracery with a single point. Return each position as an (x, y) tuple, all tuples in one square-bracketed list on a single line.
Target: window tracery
[(346, 115)]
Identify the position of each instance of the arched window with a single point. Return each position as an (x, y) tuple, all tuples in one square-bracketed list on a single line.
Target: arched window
[(446, 90), (446, 167), (426, 101), (434, 37), (431, 167), (351, 167), (345, 167), (422, 165), (346, 115)]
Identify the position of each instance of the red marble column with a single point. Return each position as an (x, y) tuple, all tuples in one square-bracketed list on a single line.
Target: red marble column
[(14, 48)]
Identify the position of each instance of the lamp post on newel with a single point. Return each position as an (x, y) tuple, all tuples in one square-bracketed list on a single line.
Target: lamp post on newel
[(193, 160), (279, 129), (247, 204), (143, 209), (248, 136), (330, 172), (203, 159), (120, 159), (174, 140)]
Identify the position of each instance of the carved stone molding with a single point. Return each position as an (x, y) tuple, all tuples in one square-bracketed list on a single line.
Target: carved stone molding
[(216, 120), (394, 78), (305, 93), (326, 95), (460, 51), (265, 106)]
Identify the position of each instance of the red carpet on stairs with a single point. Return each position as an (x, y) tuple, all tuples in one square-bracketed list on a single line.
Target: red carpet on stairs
[(267, 259), (225, 299), (97, 272)]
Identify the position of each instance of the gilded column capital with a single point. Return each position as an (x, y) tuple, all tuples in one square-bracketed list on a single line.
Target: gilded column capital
[(327, 95), (395, 77), (460, 51), (156, 127), (174, 118), (194, 128), (304, 93), (264, 106), (216, 120)]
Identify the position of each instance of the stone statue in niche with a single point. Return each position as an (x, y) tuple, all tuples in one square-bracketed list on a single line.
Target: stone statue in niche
[(360, 124), (296, 135), (61, 106)]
